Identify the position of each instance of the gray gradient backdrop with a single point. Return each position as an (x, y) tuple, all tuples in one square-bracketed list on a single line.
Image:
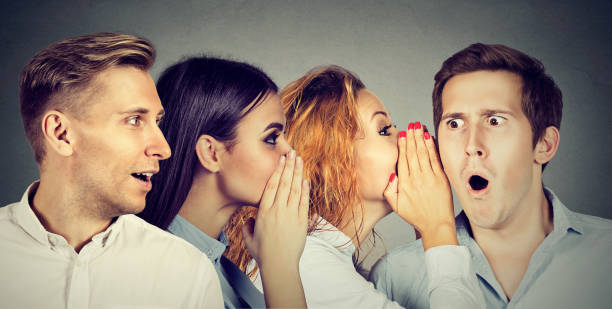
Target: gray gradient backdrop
[(394, 46)]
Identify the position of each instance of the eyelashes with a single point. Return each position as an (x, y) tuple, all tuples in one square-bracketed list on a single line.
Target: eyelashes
[(271, 138), (384, 131)]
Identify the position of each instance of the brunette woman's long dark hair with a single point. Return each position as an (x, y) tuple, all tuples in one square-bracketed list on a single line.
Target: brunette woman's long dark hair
[(200, 95)]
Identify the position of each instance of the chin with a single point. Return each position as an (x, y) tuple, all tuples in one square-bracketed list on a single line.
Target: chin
[(133, 208), (484, 218)]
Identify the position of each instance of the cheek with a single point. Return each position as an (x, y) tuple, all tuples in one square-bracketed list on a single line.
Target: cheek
[(514, 160), (374, 165), (249, 174), (450, 155)]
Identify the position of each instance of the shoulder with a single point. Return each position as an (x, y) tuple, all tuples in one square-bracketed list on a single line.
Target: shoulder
[(319, 251), (150, 238), (9, 218), (402, 275), (406, 262), (594, 229), (162, 250), (587, 225), (5, 211), (406, 256), (593, 222)]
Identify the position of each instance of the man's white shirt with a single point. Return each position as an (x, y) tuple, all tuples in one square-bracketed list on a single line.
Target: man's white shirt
[(131, 264)]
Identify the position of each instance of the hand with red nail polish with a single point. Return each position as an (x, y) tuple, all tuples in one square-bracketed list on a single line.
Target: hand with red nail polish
[(420, 193)]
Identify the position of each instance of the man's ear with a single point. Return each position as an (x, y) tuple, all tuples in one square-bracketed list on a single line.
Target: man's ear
[(57, 131), (547, 146), (209, 151)]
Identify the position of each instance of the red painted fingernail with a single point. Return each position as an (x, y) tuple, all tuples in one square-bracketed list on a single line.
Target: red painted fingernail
[(402, 134), (417, 125), (427, 136), (392, 177), (411, 126)]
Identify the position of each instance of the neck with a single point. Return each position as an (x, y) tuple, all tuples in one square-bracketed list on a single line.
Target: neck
[(359, 226), (205, 206), (63, 210), (524, 231)]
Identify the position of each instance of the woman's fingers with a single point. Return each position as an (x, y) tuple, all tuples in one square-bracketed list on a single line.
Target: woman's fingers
[(284, 186), (434, 159), (304, 200), (296, 186), (390, 192), (269, 194), (411, 150), (402, 160), (421, 149)]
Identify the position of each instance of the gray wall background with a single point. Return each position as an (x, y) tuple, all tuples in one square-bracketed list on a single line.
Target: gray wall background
[(394, 46)]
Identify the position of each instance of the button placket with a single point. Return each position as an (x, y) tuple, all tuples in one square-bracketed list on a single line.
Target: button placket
[(78, 290)]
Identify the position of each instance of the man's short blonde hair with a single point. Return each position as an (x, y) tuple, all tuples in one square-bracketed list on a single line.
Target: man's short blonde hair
[(56, 77)]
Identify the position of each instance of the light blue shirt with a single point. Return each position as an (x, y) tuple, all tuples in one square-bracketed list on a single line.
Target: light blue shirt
[(571, 268), (238, 291)]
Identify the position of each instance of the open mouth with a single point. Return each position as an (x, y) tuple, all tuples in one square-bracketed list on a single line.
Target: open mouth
[(145, 177), (478, 183)]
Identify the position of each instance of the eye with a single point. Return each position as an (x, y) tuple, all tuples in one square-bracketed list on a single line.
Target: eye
[(495, 120), (271, 138), (134, 121), (385, 130), (455, 123)]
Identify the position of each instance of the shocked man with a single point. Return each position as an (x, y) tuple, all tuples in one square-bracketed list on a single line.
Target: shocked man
[(497, 115)]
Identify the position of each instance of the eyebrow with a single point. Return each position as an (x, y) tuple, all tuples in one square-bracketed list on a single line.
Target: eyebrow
[(451, 115), (379, 113), (490, 112), (486, 112), (274, 125), (142, 110)]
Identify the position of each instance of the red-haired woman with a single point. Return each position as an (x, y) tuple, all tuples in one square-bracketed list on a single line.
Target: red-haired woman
[(351, 152)]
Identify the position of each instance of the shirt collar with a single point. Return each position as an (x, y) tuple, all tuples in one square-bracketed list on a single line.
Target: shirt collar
[(108, 236), (330, 234), (564, 220), (25, 217), (213, 248)]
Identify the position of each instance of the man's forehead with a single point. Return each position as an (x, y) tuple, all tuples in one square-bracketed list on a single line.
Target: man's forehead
[(482, 90), (125, 88)]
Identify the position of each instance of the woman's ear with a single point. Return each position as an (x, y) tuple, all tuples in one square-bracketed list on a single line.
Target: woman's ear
[(547, 146), (209, 150), (57, 131)]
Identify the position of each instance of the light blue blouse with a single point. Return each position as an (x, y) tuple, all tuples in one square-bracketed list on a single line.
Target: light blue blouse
[(238, 291)]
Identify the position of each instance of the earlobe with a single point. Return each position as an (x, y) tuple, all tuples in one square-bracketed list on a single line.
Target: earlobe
[(57, 132), (547, 145), (209, 150)]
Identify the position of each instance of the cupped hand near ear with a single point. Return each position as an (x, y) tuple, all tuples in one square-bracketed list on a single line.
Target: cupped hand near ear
[(421, 194), (279, 232), (276, 239)]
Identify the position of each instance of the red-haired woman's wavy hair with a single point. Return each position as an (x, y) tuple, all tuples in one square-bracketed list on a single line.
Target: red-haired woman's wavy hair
[(322, 123)]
